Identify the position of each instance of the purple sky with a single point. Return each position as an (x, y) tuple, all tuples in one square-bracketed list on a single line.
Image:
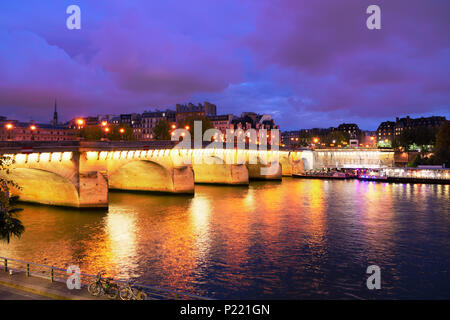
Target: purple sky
[(308, 63)]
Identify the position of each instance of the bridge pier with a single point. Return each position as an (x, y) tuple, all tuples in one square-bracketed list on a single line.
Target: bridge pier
[(59, 179), (260, 171), (221, 173)]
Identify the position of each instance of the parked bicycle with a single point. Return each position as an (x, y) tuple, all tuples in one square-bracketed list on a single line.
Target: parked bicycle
[(103, 286), (132, 293)]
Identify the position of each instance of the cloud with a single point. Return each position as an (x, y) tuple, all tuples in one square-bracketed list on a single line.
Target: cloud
[(295, 59), (325, 53)]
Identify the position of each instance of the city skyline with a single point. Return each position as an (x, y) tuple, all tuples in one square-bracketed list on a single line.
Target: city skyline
[(173, 108), (306, 65)]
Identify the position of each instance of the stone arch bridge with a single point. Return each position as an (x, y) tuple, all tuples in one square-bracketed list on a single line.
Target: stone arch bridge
[(79, 174)]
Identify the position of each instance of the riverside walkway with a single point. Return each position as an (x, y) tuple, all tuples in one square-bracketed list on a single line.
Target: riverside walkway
[(37, 280), (20, 287)]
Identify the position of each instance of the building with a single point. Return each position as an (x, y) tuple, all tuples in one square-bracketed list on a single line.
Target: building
[(385, 133), (351, 128), (402, 124), (190, 110), (222, 122), (150, 119), (13, 130), (388, 131), (290, 138), (251, 120), (133, 120)]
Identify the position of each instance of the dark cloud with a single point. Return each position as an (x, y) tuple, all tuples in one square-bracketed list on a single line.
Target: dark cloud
[(299, 60)]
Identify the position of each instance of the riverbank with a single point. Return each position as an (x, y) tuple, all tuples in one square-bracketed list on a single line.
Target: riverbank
[(37, 287)]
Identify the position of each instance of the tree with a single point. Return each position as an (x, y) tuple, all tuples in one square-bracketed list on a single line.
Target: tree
[(120, 132), (161, 131), (442, 147), (338, 137), (189, 121), (91, 133), (97, 132), (10, 225), (415, 138)]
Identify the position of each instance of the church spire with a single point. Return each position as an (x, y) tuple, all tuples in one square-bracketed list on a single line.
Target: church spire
[(55, 115)]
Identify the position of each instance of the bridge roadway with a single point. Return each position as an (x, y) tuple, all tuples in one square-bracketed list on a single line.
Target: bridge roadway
[(79, 174)]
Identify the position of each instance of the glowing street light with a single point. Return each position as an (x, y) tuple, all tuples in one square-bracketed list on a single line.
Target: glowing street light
[(104, 123), (174, 126), (316, 140), (107, 129), (187, 127), (122, 131), (80, 123), (9, 127), (33, 129)]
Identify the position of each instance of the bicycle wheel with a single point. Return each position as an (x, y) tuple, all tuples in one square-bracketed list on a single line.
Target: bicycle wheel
[(113, 293), (141, 296), (94, 288), (125, 294)]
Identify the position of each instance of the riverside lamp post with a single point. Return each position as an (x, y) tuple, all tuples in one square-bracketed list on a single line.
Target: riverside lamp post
[(80, 123), (9, 127), (32, 129)]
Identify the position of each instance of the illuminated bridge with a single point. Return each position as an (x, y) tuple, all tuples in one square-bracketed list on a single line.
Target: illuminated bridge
[(79, 174)]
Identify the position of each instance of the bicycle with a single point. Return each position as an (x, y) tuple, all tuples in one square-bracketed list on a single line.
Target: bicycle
[(103, 286), (132, 293)]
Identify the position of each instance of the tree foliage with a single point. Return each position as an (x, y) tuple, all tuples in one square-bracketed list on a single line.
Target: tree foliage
[(442, 147), (415, 138), (10, 225), (161, 131), (333, 137), (97, 132), (189, 121)]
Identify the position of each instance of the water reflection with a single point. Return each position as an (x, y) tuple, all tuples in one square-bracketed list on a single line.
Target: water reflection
[(295, 239)]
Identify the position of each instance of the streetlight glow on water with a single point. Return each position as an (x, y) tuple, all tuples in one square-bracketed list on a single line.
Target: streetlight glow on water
[(292, 239)]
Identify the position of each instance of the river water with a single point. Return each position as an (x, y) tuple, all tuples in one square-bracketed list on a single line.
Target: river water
[(296, 239)]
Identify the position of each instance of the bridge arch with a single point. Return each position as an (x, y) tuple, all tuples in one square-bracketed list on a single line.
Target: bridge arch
[(152, 176), (40, 186)]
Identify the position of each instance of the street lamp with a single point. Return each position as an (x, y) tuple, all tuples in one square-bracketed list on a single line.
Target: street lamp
[(122, 131), (9, 127), (106, 131), (80, 123), (33, 129), (104, 123)]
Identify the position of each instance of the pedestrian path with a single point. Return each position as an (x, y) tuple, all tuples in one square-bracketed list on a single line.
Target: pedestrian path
[(18, 284)]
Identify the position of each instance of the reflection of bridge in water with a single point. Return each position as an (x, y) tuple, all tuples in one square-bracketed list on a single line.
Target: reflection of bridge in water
[(79, 174)]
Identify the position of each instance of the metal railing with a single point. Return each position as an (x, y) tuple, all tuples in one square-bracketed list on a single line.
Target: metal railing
[(53, 274)]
